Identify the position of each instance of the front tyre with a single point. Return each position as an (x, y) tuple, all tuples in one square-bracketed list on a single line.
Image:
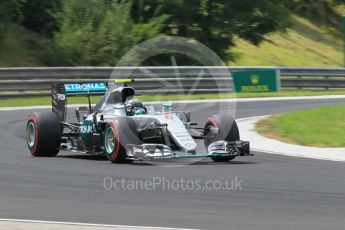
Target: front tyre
[(227, 131), (43, 134), (117, 134), (112, 144)]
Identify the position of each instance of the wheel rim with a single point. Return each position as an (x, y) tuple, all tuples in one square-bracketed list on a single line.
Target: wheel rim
[(31, 134), (208, 127), (109, 140)]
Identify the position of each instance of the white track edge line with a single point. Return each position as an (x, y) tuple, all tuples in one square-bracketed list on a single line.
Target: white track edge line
[(281, 153), (296, 155), (88, 224)]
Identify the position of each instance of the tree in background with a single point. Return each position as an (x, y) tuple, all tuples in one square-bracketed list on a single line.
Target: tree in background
[(322, 12), (38, 16), (216, 22), (9, 12), (99, 32)]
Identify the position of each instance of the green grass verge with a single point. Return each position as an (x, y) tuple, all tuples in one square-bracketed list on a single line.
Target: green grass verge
[(168, 97), (304, 44), (319, 127)]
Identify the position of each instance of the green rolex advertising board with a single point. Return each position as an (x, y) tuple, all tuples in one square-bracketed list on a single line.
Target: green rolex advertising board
[(344, 39), (256, 81)]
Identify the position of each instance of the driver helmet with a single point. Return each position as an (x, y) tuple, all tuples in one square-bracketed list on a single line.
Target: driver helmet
[(135, 107)]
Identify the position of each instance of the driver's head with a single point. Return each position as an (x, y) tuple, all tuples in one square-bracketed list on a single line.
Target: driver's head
[(135, 107)]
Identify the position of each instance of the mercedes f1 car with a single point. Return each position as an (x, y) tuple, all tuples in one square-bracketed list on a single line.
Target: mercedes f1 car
[(125, 130)]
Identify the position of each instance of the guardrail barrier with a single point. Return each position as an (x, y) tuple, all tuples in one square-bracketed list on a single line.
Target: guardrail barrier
[(36, 81)]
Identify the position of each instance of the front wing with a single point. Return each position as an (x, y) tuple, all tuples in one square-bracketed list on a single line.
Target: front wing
[(148, 152)]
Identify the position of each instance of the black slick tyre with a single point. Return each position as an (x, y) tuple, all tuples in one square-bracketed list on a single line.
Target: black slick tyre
[(117, 134), (43, 134), (227, 130)]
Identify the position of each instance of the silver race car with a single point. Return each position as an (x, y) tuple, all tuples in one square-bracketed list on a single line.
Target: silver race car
[(125, 130)]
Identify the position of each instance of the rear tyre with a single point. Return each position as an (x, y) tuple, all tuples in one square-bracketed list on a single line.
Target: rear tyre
[(117, 134), (227, 130), (43, 134)]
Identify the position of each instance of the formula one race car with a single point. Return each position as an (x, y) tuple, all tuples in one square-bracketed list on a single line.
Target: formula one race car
[(125, 130)]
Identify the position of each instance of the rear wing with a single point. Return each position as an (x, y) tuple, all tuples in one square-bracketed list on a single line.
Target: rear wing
[(60, 92)]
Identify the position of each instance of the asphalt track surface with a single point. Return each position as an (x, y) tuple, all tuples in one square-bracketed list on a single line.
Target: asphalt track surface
[(277, 192)]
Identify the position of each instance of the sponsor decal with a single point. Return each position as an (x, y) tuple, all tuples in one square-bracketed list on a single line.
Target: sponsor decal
[(86, 129), (254, 79), (61, 97), (259, 88), (85, 87), (168, 117), (188, 144)]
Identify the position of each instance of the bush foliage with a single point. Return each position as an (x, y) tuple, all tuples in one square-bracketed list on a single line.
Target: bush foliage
[(100, 32)]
